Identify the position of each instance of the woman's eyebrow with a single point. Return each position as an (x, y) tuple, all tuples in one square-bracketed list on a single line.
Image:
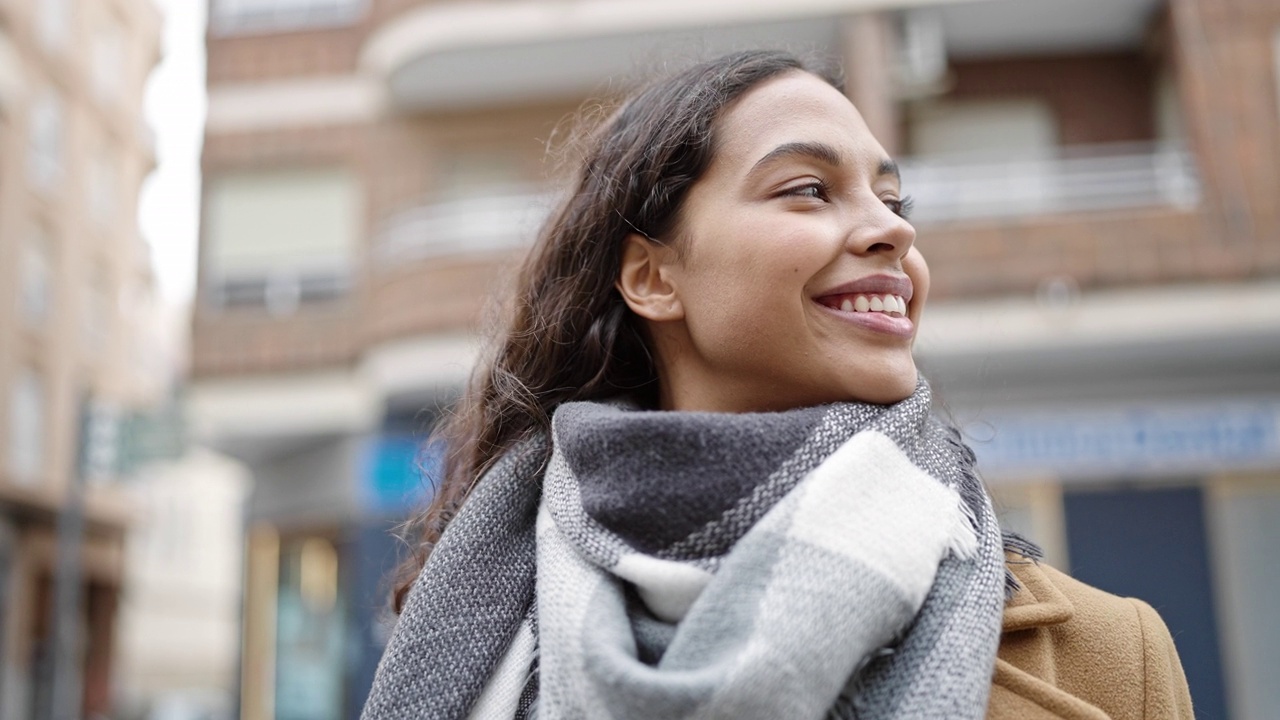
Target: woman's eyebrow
[(819, 151)]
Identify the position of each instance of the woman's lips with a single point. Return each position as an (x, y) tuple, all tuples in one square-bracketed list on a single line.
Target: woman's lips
[(876, 321)]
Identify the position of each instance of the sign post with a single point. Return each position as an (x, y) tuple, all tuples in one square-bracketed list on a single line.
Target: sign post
[(99, 425)]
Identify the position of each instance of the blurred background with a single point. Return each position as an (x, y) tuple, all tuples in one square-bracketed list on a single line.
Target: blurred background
[(234, 298)]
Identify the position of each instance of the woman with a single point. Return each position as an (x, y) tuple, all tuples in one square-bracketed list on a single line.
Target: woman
[(700, 474)]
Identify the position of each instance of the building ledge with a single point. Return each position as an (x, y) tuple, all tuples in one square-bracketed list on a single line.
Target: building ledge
[(449, 55), (1162, 341), (455, 55), (105, 511)]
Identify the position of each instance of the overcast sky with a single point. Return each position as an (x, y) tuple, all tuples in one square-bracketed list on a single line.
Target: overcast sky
[(168, 213)]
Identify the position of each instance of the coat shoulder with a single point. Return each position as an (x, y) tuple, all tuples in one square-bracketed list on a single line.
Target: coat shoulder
[(1111, 653)]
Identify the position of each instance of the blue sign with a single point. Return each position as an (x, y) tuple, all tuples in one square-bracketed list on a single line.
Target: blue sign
[(1133, 441), (399, 473)]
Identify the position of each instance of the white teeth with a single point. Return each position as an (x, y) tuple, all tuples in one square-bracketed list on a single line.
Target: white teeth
[(888, 304)]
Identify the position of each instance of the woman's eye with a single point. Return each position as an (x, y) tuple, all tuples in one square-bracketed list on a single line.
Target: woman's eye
[(817, 190), (901, 208)]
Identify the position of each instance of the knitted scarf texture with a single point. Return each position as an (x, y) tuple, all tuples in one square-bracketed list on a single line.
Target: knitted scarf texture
[(840, 561)]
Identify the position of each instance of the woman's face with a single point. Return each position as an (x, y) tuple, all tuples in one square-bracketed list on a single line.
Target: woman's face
[(796, 262)]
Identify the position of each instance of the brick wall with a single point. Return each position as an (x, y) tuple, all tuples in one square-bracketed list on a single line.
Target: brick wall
[(1227, 64), (1139, 247), (271, 56), (436, 296), (253, 342)]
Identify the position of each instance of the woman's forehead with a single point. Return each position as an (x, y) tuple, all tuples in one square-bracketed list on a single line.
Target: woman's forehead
[(794, 108)]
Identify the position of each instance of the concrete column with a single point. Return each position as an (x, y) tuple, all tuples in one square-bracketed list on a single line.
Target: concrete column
[(867, 44)]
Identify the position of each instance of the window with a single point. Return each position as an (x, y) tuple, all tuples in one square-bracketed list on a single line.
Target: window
[(108, 53), (237, 16), (278, 239), (1003, 128), (26, 427), (44, 155), (53, 23), (473, 172), (36, 287)]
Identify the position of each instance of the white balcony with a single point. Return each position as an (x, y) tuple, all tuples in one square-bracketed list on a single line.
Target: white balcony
[(280, 291), (1099, 178), (945, 189), (466, 53), (238, 17), (504, 219)]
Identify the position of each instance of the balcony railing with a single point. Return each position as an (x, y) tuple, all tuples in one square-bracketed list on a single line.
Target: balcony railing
[(279, 292), (945, 188), (504, 219), (1073, 179), (233, 17)]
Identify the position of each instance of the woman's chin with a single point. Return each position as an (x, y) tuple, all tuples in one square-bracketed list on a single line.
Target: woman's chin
[(884, 388)]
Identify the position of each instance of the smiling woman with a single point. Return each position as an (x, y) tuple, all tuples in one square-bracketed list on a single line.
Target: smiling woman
[(699, 476), (797, 232)]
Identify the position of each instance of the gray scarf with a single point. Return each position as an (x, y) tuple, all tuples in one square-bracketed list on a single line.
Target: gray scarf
[(836, 561)]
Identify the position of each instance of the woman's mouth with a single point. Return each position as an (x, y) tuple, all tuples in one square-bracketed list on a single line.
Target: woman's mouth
[(883, 313), (866, 303)]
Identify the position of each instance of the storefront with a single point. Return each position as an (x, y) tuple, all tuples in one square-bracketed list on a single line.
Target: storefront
[(1177, 503), (320, 557)]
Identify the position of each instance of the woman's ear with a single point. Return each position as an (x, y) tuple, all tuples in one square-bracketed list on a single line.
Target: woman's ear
[(644, 279)]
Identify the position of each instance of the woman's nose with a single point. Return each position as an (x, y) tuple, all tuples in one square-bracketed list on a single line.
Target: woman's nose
[(879, 230)]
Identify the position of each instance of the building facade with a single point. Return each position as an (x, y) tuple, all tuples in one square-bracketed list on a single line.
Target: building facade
[(73, 153), (1095, 185)]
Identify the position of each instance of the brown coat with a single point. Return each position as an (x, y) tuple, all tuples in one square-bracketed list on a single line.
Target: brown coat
[(1074, 652)]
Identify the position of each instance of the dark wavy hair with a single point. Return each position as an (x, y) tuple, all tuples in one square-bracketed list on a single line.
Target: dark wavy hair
[(568, 334)]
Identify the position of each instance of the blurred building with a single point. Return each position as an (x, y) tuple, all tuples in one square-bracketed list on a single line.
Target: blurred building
[(73, 153), (180, 615), (1095, 183)]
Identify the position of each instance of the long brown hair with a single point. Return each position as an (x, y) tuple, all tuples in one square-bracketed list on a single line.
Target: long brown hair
[(569, 335)]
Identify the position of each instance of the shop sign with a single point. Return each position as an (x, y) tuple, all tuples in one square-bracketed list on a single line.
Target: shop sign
[(1135, 440), (398, 473)]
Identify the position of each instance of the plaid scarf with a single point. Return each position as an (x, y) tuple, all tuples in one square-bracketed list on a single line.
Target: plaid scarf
[(830, 562)]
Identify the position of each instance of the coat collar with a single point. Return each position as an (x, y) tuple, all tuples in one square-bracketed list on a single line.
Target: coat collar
[(1016, 693), (1037, 602)]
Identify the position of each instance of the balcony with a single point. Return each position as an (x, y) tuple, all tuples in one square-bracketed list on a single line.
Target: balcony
[(449, 55), (961, 187), (265, 16), (434, 264), (1097, 178), (506, 218), (279, 293)]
